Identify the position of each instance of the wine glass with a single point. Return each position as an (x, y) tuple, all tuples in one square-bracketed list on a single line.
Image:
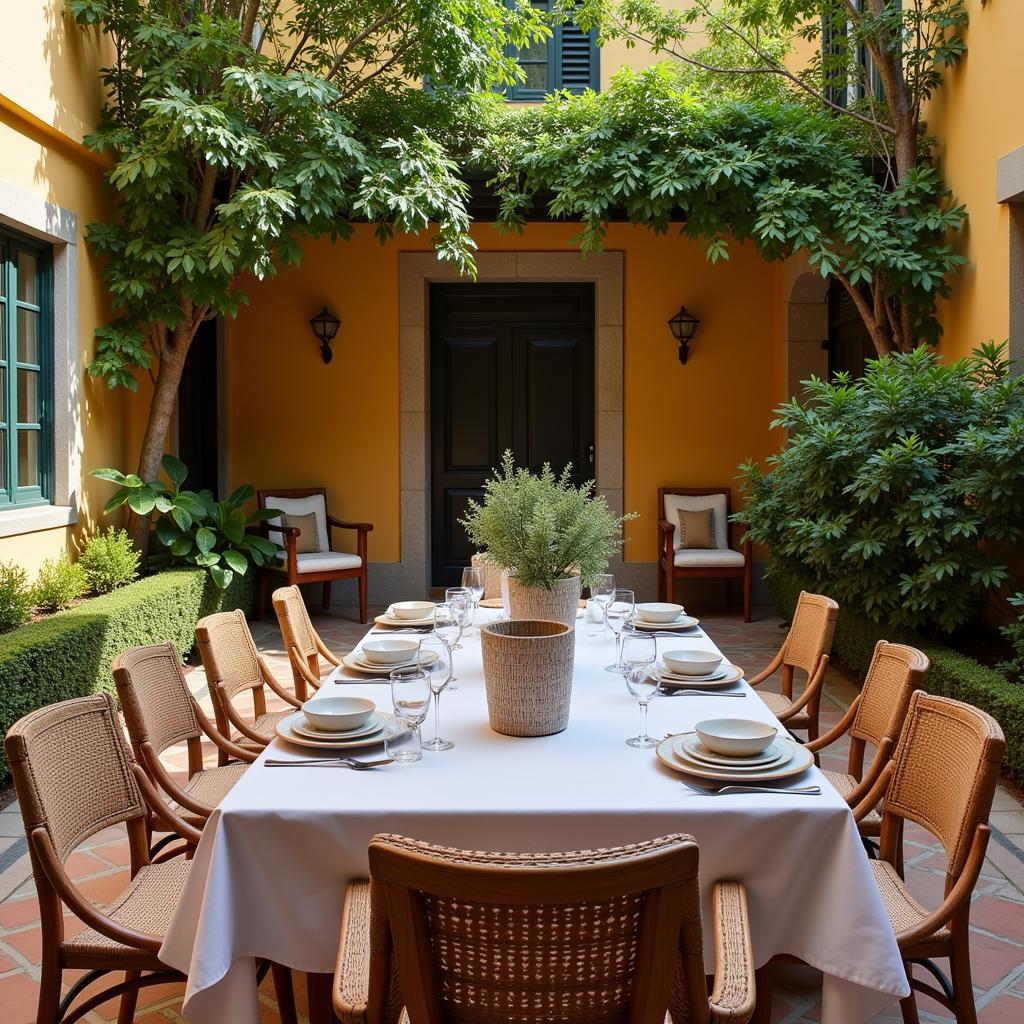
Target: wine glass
[(601, 591), (473, 581), (440, 673), (643, 680), (447, 627), (618, 613), (460, 601), (410, 698)]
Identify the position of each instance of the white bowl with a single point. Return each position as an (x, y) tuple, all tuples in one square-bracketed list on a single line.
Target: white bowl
[(692, 662), (390, 652), (412, 609), (659, 611), (735, 737), (338, 714)]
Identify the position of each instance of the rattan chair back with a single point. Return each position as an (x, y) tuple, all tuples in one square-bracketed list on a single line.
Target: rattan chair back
[(229, 654), (598, 937), (810, 634), (492, 575), (301, 640), (72, 771), (944, 774)]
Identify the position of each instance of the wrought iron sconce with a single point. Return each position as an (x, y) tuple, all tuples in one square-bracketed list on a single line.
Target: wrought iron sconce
[(683, 327), (325, 326)]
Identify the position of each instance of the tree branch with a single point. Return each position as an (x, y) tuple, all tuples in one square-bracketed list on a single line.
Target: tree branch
[(361, 37)]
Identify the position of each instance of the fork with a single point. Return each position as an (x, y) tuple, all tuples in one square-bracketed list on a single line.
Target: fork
[(725, 790), (707, 693), (341, 762)]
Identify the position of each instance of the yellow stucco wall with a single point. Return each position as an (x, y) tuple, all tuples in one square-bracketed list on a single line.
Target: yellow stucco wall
[(293, 421)]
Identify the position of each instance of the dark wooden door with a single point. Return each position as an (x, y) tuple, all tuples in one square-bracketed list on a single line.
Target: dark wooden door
[(198, 413), (849, 343), (511, 367)]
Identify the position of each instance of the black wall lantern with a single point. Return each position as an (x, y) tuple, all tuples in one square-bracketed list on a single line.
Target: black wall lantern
[(325, 326), (683, 327)]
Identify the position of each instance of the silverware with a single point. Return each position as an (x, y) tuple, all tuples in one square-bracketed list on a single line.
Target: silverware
[(689, 631), (391, 630), (341, 762), (349, 680), (723, 790), (706, 693)]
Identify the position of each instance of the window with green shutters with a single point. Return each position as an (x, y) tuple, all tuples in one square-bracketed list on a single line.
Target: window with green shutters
[(569, 59), (26, 373)]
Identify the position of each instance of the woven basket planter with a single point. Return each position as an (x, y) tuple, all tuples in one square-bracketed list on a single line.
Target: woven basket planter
[(556, 605), (528, 673)]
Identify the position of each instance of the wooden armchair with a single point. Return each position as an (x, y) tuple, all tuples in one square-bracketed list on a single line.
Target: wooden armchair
[(160, 712), (806, 647), (604, 936), (234, 666), (301, 640), (311, 559), (723, 561), (876, 716)]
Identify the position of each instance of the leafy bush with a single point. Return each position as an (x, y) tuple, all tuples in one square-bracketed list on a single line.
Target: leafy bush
[(888, 488), (542, 527), (1014, 633), (109, 560), (952, 674), (69, 654), (59, 582), (194, 528), (15, 596)]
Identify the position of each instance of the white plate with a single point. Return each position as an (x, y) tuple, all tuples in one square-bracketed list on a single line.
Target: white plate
[(286, 731), (353, 661), (389, 620), (802, 760), (722, 677), (683, 622), (692, 749), (374, 724)]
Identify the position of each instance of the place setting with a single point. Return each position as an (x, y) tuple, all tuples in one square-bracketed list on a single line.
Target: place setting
[(694, 670), (387, 654), (336, 724), (663, 617), (411, 616)]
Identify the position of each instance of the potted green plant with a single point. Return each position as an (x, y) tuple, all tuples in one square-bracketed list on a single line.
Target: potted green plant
[(549, 536)]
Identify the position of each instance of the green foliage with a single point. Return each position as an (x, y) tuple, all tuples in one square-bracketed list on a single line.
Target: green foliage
[(15, 596), (60, 581), (952, 674), (194, 528), (889, 488), (1014, 633), (109, 560), (69, 654), (543, 528)]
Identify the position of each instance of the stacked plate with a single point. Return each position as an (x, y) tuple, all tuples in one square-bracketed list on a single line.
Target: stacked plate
[(408, 613), (781, 759), (297, 729), (724, 675), (658, 615), (358, 663)]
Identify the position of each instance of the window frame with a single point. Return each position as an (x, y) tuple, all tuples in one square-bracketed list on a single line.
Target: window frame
[(12, 494), (520, 93)]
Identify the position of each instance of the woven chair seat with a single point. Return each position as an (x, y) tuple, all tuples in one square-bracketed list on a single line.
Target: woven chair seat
[(146, 905), (903, 910), (265, 725), (209, 787), (871, 824), (779, 704)]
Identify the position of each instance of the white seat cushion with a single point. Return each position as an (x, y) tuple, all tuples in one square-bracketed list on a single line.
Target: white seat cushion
[(698, 503), (301, 507), (708, 558), (327, 561)]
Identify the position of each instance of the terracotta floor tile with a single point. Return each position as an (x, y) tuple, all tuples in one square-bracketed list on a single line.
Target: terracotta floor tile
[(7, 964), (1000, 916), (15, 913), (992, 959), (81, 864), (1005, 1009), (29, 941), (102, 890), (18, 997)]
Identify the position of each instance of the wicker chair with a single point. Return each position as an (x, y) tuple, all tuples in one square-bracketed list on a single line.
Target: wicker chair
[(598, 937), (492, 576), (75, 776), (233, 666), (876, 716), (301, 640), (160, 712), (806, 647)]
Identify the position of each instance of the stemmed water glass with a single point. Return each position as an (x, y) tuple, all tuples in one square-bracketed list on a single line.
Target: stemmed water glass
[(618, 614), (410, 698), (643, 680), (440, 672), (601, 591), (448, 628), (461, 604), (473, 581)]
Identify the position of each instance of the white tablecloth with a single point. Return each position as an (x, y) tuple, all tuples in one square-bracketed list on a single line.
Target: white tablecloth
[(270, 872)]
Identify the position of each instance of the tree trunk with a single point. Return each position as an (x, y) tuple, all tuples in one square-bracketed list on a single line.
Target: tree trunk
[(161, 409)]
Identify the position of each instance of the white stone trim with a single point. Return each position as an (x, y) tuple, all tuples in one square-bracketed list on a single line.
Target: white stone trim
[(1010, 191), (58, 227)]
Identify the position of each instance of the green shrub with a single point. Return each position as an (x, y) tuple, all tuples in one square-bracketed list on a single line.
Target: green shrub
[(59, 582), (952, 674), (69, 654), (1014, 633), (109, 560), (886, 485), (15, 597)]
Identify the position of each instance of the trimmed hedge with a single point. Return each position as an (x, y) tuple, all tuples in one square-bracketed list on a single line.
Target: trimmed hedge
[(952, 674), (69, 654)]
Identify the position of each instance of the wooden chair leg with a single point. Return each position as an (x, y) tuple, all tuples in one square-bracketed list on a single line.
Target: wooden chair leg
[(746, 593), (362, 595), (908, 1005), (763, 995), (661, 582), (285, 993), (327, 595), (129, 999), (960, 975), (49, 991)]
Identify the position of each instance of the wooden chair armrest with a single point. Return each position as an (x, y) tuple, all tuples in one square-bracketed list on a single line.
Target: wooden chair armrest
[(160, 777), (732, 998), (769, 670), (870, 800), (958, 896), (41, 845), (837, 730), (322, 650), (664, 526), (242, 725), (812, 688), (299, 664), (271, 681), (352, 971), (856, 796), (341, 524), (162, 809), (220, 740)]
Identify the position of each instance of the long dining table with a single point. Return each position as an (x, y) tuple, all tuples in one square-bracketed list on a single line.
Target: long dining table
[(269, 875)]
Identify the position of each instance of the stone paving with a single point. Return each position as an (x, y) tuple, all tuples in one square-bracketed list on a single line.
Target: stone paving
[(997, 924)]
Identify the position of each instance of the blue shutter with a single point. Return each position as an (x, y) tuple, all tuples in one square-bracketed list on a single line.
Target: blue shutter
[(578, 59)]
